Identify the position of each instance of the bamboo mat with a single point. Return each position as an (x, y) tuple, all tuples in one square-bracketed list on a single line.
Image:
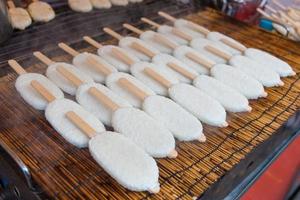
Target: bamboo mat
[(66, 172)]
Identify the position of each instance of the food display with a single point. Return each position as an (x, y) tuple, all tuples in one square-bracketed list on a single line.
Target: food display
[(146, 107)]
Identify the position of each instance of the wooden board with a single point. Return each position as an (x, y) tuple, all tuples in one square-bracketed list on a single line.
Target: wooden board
[(66, 172)]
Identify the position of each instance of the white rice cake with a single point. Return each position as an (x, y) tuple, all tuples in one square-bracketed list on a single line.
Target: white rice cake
[(126, 43), (81, 62), (204, 107), (56, 115), (19, 18), (183, 125), (41, 11), (181, 52), (216, 36), (143, 130), (182, 23), (106, 53), (80, 5), (148, 36), (30, 95), (265, 76), (91, 104), (270, 61), (123, 160), (112, 83), (163, 60), (200, 44), (231, 99), (101, 4), (64, 83), (137, 70), (167, 30), (245, 84)]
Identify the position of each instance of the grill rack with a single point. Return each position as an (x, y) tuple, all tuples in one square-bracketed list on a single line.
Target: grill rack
[(285, 102)]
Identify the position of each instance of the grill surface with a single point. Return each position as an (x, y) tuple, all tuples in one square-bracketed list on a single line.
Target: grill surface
[(66, 172)]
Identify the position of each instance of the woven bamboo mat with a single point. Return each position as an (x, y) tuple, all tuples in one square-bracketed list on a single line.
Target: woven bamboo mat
[(66, 172)]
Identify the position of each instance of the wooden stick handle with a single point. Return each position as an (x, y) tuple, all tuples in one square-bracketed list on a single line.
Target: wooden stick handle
[(233, 44), (133, 29), (112, 33), (165, 41), (69, 76), (43, 58), (106, 101), (181, 70), (182, 34), (11, 4), (288, 19), (99, 66), (157, 77), (279, 5), (16, 67), (200, 60), (267, 16), (166, 16), (150, 22), (132, 88), (121, 56), (92, 42), (68, 49), (270, 9), (42, 91), (198, 28), (139, 47), (81, 124), (218, 52)]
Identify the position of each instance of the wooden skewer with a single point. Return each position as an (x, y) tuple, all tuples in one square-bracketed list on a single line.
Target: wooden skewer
[(271, 9), (200, 60), (34, 83), (192, 25), (157, 37), (91, 60), (152, 23), (42, 90), (166, 16), (123, 57), (269, 17), (11, 4), (133, 29), (93, 91), (139, 47), (135, 45), (106, 101), (71, 115), (81, 124), (156, 76), (218, 52), (43, 58), (132, 88), (99, 66), (69, 76), (182, 34), (233, 44), (163, 40), (17, 67), (112, 33), (280, 5), (181, 70), (68, 49), (92, 42)]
